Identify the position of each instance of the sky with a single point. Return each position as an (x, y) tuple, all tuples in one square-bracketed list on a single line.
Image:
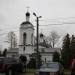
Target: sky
[(57, 15)]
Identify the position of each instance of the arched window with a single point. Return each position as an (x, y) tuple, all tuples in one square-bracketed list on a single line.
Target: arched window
[(32, 39), (45, 60), (24, 40)]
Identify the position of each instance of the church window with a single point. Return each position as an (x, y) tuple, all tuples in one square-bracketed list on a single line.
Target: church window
[(45, 60), (32, 39), (24, 40), (24, 48)]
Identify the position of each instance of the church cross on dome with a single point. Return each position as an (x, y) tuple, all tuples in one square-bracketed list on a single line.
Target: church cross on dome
[(27, 8), (27, 15)]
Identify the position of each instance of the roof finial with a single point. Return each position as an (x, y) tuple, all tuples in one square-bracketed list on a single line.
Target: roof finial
[(27, 15), (28, 8)]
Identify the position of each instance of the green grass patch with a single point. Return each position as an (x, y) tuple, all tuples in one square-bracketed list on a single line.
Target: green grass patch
[(27, 74), (67, 72), (30, 70)]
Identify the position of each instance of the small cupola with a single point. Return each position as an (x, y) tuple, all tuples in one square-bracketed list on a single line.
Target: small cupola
[(27, 16), (41, 35)]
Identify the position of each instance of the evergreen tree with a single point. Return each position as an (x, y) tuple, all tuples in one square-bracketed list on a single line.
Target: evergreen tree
[(56, 57), (66, 52), (23, 59), (32, 63), (0, 54), (72, 46), (39, 61), (5, 52)]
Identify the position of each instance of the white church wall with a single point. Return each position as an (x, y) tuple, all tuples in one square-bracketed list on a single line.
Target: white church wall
[(29, 43), (47, 57), (28, 37)]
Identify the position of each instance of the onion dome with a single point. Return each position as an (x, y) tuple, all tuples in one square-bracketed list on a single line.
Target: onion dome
[(41, 35), (27, 14), (25, 23)]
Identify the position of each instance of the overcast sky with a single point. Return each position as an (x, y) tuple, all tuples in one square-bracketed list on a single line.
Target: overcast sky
[(58, 15)]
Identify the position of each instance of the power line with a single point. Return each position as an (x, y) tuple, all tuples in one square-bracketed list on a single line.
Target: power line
[(8, 32), (57, 19), (61, 23), (60, 20), (50, 24), (43, 26), (39, 25)]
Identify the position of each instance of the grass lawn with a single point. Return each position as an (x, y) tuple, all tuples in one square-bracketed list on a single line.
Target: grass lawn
[(67, 72), (29, 72)]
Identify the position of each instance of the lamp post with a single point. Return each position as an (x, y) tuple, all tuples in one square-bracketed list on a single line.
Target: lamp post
[(37, 60)]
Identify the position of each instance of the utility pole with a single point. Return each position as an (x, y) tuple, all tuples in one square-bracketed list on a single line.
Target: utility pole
[(37, 52), (37, 60), (37, 34)]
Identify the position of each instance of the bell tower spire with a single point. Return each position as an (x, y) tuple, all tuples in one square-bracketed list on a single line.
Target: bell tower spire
[(27, 15), (28, 8)]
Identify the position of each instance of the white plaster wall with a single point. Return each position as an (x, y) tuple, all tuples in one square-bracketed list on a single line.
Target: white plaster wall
[(48, 57), (29, 47), (12, 54)]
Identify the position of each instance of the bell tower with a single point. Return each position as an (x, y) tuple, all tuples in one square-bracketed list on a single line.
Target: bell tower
[(26, 36)]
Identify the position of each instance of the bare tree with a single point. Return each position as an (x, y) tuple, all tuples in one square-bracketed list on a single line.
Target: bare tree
[(12, 39), (53, 38)]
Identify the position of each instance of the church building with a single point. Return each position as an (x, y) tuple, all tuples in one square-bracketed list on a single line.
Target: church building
[(28, 47), (26, 42)]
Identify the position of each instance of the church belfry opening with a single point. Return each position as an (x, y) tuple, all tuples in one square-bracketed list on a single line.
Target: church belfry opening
[(32, 39), (24, 40)]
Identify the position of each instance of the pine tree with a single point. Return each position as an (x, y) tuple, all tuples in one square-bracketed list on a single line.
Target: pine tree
[(66, 52), (72, 46), (23, 59), (32, 63), (5, 52)]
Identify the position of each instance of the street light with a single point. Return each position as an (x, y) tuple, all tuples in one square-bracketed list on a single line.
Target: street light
[(37, 17), (34, 14)]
